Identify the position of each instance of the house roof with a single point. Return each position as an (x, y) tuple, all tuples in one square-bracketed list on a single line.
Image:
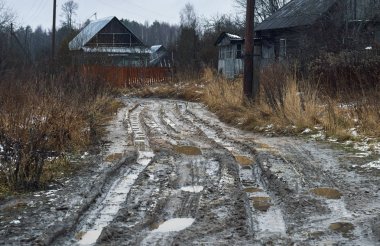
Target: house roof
[(296, 13), (91, 30), (232, 37), (155, 48), (88, 33)]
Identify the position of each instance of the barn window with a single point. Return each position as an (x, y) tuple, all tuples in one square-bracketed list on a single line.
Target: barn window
[(282, 48), (228, 52), (238, 51)]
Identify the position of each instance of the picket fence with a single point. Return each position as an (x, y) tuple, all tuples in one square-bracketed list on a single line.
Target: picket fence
[(122, 77)]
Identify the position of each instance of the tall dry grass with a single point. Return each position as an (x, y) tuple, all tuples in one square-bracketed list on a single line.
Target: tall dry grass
[(290, 105), (43, 116)]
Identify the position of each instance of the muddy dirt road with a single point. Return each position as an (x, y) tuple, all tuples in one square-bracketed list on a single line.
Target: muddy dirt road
[(173, 174)]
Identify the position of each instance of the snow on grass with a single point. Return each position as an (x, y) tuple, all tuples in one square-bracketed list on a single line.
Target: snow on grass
[(373, 164)]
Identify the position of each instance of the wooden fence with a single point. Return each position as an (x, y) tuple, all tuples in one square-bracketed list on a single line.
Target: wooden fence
[(128, 76)]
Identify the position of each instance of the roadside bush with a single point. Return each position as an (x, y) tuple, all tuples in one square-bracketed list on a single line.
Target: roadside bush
[(346, 73), (42, 116)]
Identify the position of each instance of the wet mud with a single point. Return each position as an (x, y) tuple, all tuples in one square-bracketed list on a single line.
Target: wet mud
[(173, 174)]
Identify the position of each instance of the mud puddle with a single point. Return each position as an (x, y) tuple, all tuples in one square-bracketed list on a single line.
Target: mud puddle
[(244, 160), (188, 150), (342, 227), (328, 193)]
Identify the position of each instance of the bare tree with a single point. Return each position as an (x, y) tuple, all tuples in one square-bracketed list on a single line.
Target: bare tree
[(263, 8), (188, 40), (69, 10), (188, 16), (6, 15)]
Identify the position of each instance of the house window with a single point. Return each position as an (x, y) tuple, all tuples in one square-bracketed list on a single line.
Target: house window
[(282, 48), (238, 51)]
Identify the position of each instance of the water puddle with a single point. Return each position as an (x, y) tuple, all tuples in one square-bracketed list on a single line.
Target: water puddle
[(243, 160), (253, 190), (193, 189), (328, 193), (342, 227), (188, 150), (261, 203), (174, 225), (89, 237)]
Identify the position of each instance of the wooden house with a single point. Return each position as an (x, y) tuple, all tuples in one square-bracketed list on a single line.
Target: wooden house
[(303, 28), (109, 42), (231, 47), (160, 57)]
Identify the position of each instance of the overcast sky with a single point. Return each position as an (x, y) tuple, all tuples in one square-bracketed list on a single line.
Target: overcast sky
[(39, 12)]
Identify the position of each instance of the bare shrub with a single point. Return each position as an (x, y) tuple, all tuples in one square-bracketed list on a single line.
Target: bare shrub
[(347, 73), (42, 116)]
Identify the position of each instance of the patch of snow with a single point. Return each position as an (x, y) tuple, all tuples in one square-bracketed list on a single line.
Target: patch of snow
[(145, 157), (173, 225), (353, 132), (233, 36), (373, 164), (319, 135), (333, 140), (84, 155), (369, 48), (193, 189), (15, 222), (348, 142), (319, 128), (212, 168), (306, 131), (271, 223), (362, 154), (362, 147), (268, 127)]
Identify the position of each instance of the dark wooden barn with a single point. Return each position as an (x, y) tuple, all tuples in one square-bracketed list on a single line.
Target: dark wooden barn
[(109, 42), (304, 28), (160, 57)]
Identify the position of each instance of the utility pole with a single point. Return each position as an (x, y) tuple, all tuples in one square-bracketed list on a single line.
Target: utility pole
[(248, 52), (53, 32)]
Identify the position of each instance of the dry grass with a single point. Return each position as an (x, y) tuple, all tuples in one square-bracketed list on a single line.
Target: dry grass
[(44, 116), (286, 104)]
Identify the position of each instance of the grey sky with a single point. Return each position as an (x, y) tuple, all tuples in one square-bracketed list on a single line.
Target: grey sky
[(39, 12)]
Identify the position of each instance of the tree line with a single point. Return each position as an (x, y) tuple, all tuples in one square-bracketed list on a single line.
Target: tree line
[(191, 42)]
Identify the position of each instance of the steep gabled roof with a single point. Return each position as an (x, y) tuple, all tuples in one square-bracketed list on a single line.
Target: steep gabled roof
[(232, 37), (88, 33), (155, 48), (296, 13), (91, 30)]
